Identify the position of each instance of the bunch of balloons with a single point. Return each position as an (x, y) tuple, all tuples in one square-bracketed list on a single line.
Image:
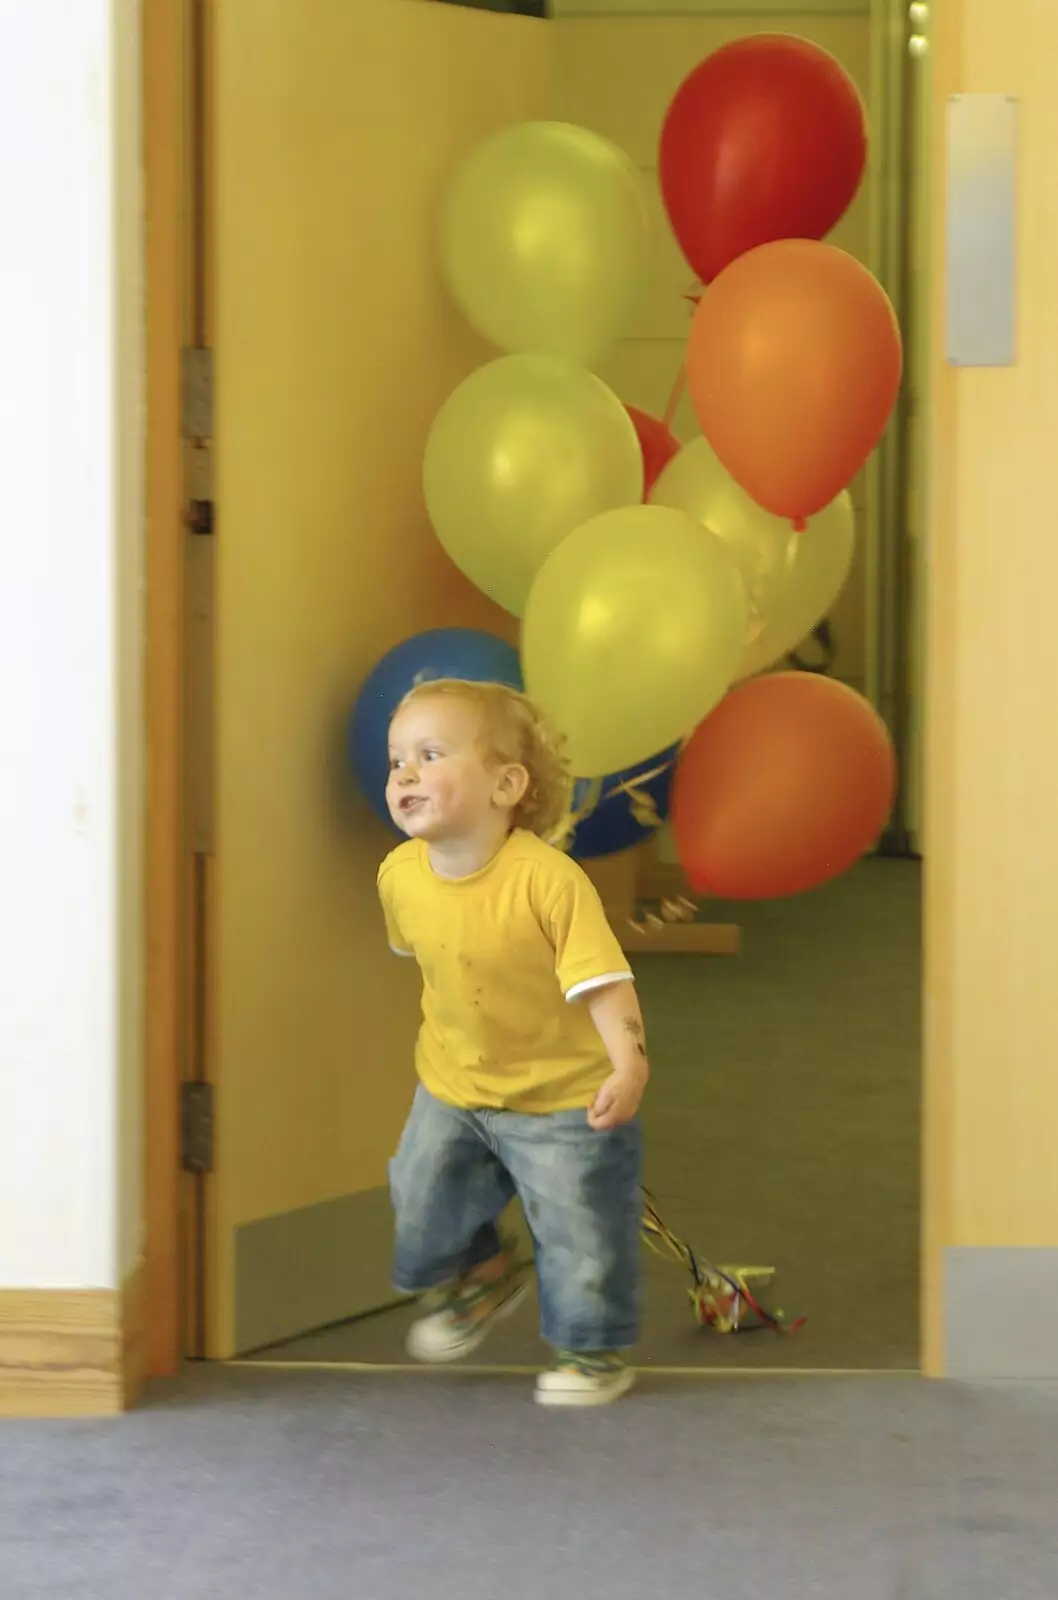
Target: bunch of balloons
[(651, 578), (795, 357)]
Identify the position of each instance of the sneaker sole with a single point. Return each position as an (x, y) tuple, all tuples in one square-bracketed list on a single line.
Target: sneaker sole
[(581, 1398), (438, 1358)]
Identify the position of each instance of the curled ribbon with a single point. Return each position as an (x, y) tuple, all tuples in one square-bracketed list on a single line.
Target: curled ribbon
[(642, 805), (723, 1298), (678, 910)]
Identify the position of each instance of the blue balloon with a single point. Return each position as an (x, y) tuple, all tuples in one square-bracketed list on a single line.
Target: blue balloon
[(439, 653), (613, 826)]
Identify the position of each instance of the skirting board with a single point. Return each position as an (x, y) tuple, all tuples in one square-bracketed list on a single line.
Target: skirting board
[(1001, 1313), (308, 1268), (71, 1352)]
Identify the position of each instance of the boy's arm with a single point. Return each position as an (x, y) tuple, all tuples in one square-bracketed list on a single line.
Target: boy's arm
[(616, 1014), (593, 971)]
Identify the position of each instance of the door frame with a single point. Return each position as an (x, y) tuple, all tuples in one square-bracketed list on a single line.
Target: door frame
[(169, 219), (164, 112)]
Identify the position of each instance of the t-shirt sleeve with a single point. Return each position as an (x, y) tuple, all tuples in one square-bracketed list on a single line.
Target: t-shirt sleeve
[(397, 942), (587, 954)]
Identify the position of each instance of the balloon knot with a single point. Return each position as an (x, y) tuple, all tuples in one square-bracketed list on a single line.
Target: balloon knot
[(799, 524)]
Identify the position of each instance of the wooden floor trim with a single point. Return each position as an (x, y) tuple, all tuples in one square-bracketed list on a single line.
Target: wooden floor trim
[(71, 1352), (463, 1370)]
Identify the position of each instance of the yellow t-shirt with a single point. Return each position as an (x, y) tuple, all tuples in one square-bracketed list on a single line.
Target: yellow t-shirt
[(505, 955)]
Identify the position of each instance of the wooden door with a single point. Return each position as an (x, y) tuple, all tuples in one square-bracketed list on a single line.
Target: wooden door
[(334, 127)]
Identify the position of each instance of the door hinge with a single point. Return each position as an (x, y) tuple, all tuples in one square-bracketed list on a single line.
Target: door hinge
[(196, 1127), (197, 428), (197, 399)]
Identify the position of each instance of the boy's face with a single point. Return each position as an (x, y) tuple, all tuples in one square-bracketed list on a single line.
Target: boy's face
[(440, 784)]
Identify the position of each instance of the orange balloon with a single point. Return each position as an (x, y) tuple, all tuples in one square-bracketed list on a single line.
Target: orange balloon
[(783, 787), (794, 367)]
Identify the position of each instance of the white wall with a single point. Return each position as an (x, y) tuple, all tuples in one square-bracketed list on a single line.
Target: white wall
[(70, 737)]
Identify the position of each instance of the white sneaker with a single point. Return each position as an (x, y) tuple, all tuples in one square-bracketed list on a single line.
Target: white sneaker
[(578, 1379), (464, 1315)]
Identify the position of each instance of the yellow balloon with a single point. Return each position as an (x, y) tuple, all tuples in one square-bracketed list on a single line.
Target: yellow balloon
[(526, 449), (791, 579), (632, 634), (545, 240)]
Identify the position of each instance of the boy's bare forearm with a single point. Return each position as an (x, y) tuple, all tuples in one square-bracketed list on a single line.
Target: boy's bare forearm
[(616, 1014)]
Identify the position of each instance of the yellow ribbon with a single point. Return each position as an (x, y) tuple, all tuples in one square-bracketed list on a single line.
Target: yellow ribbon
[(721, 1295), (643, 806)]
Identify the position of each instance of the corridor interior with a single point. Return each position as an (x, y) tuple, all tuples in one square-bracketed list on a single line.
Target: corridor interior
[(782, 1129)]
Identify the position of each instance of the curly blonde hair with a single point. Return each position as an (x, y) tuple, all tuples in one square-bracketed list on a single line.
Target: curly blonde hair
[(515, 732)]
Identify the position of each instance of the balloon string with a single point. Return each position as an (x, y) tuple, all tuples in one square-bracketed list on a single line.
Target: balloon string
[(693, 296), (675, 397)]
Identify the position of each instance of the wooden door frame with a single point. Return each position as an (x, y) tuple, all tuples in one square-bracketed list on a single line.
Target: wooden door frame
[(165, 864), (167, 213)]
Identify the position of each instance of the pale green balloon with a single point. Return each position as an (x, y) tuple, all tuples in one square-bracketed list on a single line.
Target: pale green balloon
[(545, 240), (632, 634), (792, 579), (526, 449)]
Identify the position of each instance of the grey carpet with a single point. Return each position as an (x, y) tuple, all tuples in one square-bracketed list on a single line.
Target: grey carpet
[(324, 1486), (782, 1128)]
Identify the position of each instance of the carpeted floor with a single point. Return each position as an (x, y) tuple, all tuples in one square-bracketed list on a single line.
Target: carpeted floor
[(326, 1486), (783, 1128)]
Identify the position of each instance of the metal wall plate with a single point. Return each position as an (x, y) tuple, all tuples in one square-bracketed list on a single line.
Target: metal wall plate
[(981, 256), (984, 1291)]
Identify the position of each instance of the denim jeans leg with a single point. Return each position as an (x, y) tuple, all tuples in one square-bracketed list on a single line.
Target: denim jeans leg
[(449, 1192), (582, 1198)]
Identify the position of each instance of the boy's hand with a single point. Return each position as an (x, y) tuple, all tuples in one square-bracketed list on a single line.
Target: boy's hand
[(619, 1098)]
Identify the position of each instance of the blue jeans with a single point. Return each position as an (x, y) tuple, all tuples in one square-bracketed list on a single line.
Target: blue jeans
[(454, 1174)]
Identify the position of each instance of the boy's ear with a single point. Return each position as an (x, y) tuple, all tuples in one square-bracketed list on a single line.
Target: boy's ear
[(511, 783)]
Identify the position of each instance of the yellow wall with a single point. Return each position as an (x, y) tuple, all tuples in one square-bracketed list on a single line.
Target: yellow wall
[(992, 753), (337, 127)]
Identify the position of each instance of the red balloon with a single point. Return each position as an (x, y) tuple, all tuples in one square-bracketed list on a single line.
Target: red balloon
[(793, 367), (658, 444), (766, 139), (783, 787)]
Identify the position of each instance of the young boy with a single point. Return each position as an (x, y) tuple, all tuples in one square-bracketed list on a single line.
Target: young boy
[(531, 1055)]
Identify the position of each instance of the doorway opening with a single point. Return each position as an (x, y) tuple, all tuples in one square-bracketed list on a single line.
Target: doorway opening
[(783, 1121)]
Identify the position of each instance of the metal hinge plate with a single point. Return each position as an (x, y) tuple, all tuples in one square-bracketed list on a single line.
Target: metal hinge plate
[(197, 423), (196, 1127), (197, 401)]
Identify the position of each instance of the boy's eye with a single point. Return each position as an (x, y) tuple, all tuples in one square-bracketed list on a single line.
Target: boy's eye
[(394, 764), (431, 755)]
